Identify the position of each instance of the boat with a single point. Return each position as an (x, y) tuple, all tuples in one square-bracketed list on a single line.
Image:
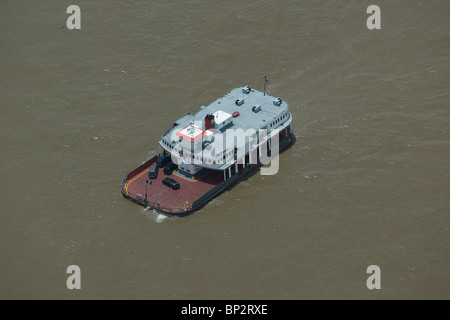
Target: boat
[(205, 153)]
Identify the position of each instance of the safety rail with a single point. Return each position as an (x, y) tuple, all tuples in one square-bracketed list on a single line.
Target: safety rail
[(140, 199), (141, 167)]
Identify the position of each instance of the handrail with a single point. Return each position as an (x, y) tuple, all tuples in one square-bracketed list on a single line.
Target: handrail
[(141, 167), (138, 198)]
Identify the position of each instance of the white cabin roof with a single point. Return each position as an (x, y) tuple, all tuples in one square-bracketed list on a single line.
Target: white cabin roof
[(221, 116)]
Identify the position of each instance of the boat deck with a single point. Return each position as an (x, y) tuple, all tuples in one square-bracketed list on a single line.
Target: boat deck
[(163, 198)]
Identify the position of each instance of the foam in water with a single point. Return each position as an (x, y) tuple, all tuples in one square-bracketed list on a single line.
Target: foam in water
[(160, 217), (154, 215)]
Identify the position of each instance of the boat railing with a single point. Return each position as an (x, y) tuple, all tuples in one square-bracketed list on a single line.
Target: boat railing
[(139, 198), (139, 169)]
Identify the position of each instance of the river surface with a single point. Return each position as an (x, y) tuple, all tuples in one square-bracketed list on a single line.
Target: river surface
[(366, 183)]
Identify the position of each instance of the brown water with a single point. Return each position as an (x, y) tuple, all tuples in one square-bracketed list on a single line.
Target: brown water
[(367, 181)]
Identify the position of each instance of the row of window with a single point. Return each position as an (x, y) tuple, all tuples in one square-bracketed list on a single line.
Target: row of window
[(281, 118), (206, 160)]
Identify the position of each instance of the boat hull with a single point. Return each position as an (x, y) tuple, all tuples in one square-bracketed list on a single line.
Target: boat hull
[(192, 196)]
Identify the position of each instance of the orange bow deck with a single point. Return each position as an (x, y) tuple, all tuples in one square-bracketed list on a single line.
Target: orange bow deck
[(160, 197)]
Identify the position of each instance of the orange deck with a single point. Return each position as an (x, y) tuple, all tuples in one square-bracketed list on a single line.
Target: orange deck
[(161, 197), (192, 194)]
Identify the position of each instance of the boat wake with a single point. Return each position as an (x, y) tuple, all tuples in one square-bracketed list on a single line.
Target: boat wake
[(154, 215), (159, 217)]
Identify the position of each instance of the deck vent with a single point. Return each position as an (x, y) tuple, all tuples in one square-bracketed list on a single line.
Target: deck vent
[(246, 89), (277, 101), (256, 108), (239, 102)]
